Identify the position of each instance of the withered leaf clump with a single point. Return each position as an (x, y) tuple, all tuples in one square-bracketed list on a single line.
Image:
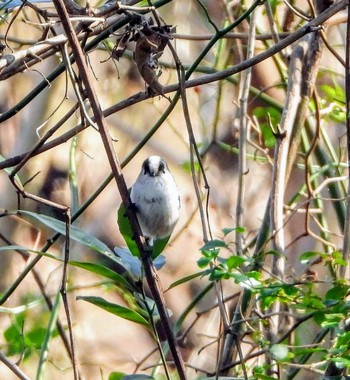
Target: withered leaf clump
[(150, 44), (151, 41)]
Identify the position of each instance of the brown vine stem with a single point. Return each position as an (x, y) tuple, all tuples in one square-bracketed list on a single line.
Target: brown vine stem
[(151, 275)]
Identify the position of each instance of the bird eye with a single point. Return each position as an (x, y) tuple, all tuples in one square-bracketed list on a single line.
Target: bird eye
[(162, 167), (146, 168)]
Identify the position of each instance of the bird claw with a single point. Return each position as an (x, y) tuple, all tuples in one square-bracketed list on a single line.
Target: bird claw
[(147, 251)]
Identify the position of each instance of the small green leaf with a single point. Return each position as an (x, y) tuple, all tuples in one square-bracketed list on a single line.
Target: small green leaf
[(126, 231), (338, 114), (212, 244), (334, 93), (258, 376), (338, 292), (123, 376), (337, 257), (306, 257), (186, 279), (218, 274), (116, 376), (120, 311), (268, 136), (204, 262), (187, 166), (332, 320), (211, 254), (240, 230), (234, 262), (267, 116), (247, 281)]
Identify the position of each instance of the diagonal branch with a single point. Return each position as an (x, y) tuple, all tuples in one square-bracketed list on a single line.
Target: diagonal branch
[(151, 274)]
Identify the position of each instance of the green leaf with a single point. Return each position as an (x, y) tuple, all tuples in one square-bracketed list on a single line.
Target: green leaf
[(268, 136), (212, 244), (259, 376), (123, 376), (218, 274), (306, 257), (24, 249), (334, 93), (186, 279), (332, 320), (187, 166), (75, 233), (126, 231), (279, 351), (12, 336), (148, 305), (120, 311), (116, 375), (9, 171), (105, 272), (246, 281), (92, 267), (204, 262), (337, 257), (240, 230), (338, 292), (235, 261), (338, 114), (265, 116)]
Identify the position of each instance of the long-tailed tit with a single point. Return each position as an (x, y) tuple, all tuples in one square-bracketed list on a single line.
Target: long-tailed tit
[(156, 198)]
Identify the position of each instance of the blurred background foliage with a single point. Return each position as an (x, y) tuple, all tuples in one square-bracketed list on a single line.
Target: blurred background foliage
[(117, 337)]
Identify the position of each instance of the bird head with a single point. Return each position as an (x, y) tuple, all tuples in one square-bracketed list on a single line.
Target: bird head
[(154, 166)]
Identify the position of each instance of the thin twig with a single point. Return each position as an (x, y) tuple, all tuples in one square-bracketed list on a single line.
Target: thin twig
[(13, 367), (243, 134)]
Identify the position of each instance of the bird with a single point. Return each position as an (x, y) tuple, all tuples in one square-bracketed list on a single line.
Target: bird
[(156, 199)]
